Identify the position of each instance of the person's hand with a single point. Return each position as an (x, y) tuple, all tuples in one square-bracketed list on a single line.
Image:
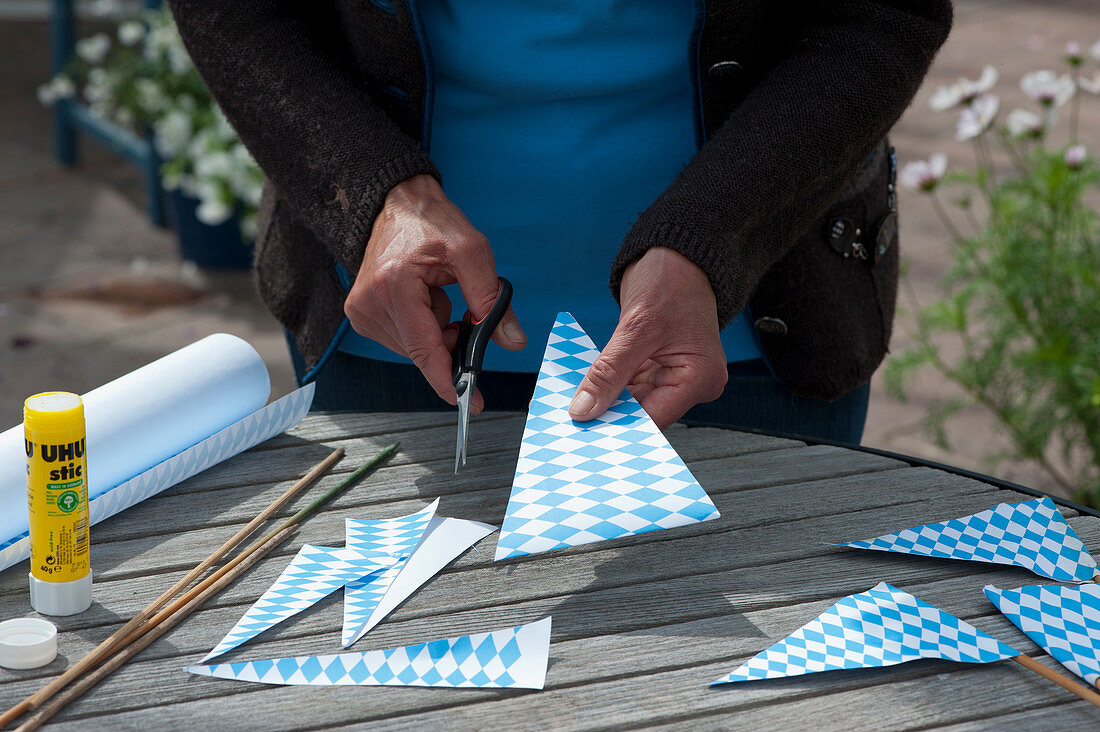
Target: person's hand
[(421, 242), (666, 349)]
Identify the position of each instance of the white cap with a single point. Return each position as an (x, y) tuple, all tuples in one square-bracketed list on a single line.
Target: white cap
[(27, 642), (61, 598)]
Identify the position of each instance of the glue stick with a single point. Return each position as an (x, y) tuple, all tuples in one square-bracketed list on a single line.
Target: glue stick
[(57, 499)]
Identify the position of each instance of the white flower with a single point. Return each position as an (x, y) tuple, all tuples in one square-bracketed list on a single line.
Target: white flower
[(214, 165), (172, 134), (1075, 157), (964, 91), (178, 59), (213, 211), (1092, 86), (1047, 88), (130, 33), (976, 119), (94, 48), (151, 98), (1074, 57), (105, 8), (1022, 123), (924, 175), (249, 229), (57, 88)]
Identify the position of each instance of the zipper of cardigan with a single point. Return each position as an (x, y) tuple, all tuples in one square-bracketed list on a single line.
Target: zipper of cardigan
[(429, 86), (696, 75)]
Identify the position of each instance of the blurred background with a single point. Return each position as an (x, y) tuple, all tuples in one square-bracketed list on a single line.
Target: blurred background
[(98, 277)]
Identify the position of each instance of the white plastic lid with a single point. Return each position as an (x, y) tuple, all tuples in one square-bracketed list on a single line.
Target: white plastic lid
[(61, 598), (27, 642)]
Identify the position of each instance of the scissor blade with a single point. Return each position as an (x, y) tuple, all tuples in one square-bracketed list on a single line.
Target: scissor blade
[(465, 389)]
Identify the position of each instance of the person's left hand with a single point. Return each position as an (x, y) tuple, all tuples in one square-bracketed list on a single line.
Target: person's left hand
[(666, 349)]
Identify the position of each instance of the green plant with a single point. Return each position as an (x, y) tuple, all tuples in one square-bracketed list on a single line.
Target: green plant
[(146, 83), (1018, 330)]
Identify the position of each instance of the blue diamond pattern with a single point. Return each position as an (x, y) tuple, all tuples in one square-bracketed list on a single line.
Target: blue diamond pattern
[(394, 538), (314, 573), (586, 470), (881, 627), (1063, 620), (519, 663), (1032, 535)]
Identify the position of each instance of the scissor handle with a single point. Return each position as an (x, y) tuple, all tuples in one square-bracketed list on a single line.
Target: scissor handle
[(474, 337)]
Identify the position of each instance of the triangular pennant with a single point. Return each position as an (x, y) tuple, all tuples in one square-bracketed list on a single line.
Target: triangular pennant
[(396, 538), (444, 540), (1063, 620), (1032, 535), (881, 627), (580, 482), (314, 573), (511, 658)]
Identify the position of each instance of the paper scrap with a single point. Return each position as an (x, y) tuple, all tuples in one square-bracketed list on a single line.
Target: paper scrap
[(396, 538), (246, 433), (582, 482), (1032, 535), (1063, 620), (511, 658), (444, 540), (314, 573), (881, 627)]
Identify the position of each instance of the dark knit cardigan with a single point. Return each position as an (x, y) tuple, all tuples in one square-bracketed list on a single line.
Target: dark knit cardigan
[(330, 98)]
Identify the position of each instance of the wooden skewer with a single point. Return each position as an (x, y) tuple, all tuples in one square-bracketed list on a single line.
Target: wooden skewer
[(101, 651), (1068, 684), (173, 614), (143, 635)]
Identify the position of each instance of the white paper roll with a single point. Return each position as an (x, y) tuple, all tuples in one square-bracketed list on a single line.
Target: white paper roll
[(147, 416)]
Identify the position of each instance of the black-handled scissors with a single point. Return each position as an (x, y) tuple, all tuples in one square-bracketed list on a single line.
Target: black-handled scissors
[(467, 357)]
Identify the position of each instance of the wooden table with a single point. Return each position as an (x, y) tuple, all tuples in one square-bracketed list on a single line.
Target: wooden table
[(641, 624)]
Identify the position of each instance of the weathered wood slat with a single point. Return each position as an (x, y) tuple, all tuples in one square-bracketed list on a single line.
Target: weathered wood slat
[(638, 621)]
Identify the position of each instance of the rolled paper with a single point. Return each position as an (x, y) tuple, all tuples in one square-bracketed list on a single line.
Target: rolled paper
[(149, 415)]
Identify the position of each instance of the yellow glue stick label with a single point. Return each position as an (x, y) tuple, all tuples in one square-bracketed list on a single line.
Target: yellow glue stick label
[(57, 488)]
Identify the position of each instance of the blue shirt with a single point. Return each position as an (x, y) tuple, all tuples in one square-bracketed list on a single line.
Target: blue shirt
[(554, 124)]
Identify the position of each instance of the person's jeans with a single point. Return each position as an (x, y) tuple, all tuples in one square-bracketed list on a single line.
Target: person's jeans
[(753, 398)]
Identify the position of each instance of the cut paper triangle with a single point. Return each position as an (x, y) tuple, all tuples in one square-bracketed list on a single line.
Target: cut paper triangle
[(314, 573), (396, 538), (1063, 620), (511, 658), (884, 626), (444, 540), (581, 482), (1032, 535)]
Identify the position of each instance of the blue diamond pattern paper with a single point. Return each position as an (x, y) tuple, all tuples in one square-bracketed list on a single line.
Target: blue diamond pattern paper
[(396, 538), (884, 626), (1032, 535), (581, 482), (314, 573), (1063, 620), (512, 658), (250, 431)]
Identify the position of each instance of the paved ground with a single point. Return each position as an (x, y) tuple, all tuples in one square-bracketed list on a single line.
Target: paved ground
[(89, 290)]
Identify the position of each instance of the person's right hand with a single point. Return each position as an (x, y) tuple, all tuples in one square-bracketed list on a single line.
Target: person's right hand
[(421, 242)]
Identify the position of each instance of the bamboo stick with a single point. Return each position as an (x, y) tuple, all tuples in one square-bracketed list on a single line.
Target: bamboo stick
[(1068, 684), (176, 613), (101, 651), (137, 631)]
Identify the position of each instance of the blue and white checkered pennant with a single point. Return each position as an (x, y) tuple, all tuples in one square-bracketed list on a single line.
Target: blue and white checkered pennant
[(580, 482), (512, 658), (881, 627), (1032, 535), (1063, 620), (396, 538), (314, 573)]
